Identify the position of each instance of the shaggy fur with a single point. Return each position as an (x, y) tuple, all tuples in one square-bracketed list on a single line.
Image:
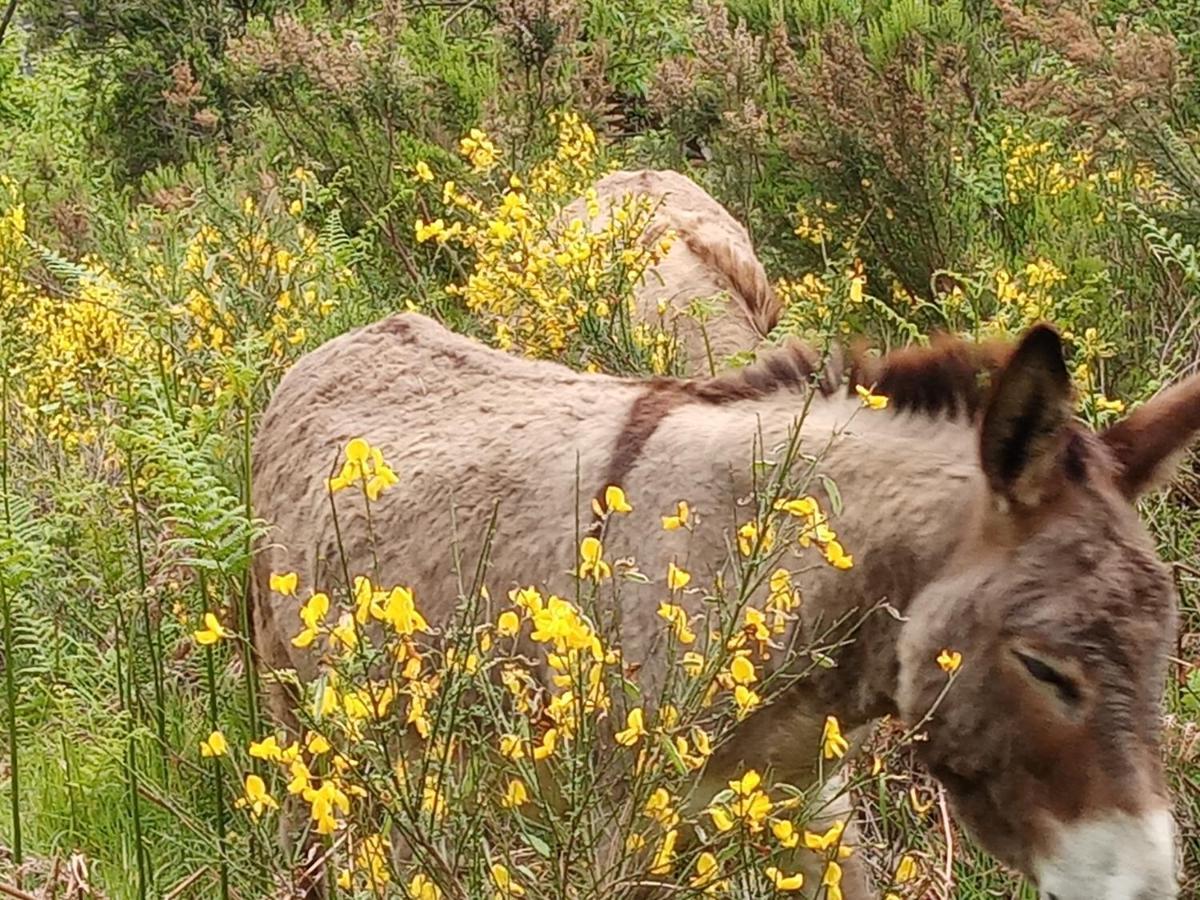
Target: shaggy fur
[(712, 258), (1035, 553)]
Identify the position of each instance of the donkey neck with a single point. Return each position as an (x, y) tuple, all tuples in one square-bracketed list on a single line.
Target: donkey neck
[(907, 483)]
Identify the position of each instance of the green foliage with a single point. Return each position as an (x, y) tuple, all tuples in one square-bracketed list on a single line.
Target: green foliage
[(220, 185)]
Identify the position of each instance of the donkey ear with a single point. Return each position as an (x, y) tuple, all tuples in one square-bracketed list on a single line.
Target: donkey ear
[(1024, 425), (1147, 442)]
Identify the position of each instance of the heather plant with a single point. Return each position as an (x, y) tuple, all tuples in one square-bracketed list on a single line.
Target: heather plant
[(155, 74)]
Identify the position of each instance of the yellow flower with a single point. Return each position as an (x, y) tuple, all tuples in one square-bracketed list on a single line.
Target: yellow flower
[(344, 632), (664, 856), (508, 624), (421, 888), (756, 624), (742, 670), (721, 818), (749, 539), (635, 727), (832, 881), (614, 502), (707, 869), (784, 882), (949, 661), (312, 614), (659, 808), (214, 745), (325, 802), (750, 805), (478, 150), (749, 782), (430, 231), (919, 807), (747, 536), (559, 623), (818, 530), (506, 887), (301, 777), (268, 748), (546, 747), (832, 743), (677, 578), (366, 600), (746, 700), (284, 584), (822, 842), (256, 797), (785, 832), (296, 207), (211, 632), (869, 399), (907, 869), (680, 519), (679, 622), (783, 598), (400, 611), (512, 747), (836, 555), (592, 565), (422, 172), (364, 465), (515, 794)]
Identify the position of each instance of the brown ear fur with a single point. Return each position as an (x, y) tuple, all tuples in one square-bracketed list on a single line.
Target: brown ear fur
[(1024, 426), (1146, 442)]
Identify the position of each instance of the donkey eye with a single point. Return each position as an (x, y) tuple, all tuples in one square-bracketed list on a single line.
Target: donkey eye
[(1067, 689)]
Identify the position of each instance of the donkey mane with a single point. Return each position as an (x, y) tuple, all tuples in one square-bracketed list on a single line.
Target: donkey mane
[(948, 378)]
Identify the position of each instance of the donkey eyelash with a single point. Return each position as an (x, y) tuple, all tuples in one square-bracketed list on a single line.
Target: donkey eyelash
[(1067, 689)]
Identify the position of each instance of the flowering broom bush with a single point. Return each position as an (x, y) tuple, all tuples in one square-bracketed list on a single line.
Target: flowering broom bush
[(440, 756), (549, 284)]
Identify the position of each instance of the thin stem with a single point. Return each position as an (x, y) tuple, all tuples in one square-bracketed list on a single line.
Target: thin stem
[(10, 694), (10, 687), (7, 19), (210, 670), (249, 663), (152, 634), (136, 809), (67, 760)]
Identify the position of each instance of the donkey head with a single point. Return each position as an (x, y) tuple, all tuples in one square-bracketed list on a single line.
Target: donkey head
[(1048, 740)]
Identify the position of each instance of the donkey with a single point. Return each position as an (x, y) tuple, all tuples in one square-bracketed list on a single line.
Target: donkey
[(985, 515), (711, 258)]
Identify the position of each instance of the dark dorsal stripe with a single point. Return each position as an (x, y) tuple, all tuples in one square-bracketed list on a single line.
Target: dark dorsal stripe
[(651, 407)]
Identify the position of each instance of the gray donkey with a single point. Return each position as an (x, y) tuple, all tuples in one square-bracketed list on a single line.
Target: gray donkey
[(711, 259), (987, 516)]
